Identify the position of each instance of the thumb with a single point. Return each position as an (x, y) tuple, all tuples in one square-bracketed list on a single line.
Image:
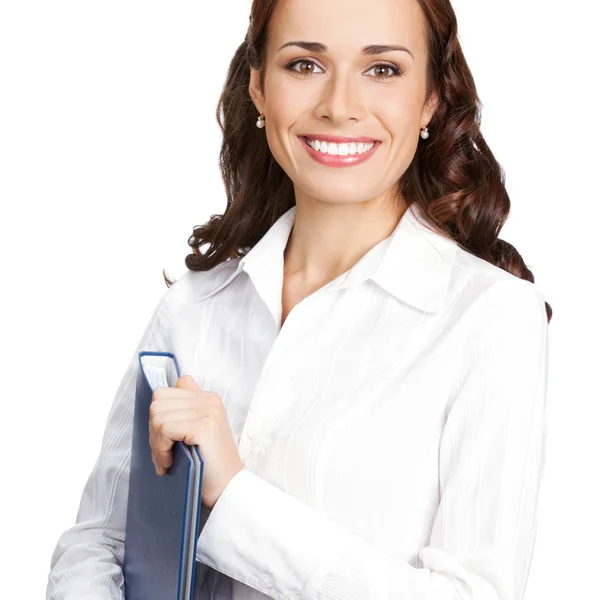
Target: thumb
[(187, 382)]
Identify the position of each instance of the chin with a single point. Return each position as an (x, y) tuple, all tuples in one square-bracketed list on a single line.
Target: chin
[(338, 194)]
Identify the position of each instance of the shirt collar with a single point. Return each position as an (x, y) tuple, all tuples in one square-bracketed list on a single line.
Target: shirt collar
[(413, 264)]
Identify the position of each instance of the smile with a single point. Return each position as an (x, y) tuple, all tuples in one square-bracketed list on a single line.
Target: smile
[(339, 155)]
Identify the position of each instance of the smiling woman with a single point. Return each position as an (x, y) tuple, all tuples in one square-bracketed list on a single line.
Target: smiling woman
[(376, 356), (395, 73)]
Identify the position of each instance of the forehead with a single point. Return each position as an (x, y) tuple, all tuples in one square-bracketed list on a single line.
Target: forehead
[(347, 25)]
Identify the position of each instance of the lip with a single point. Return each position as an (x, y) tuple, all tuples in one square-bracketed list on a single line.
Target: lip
[(338, 139), (338, 161)]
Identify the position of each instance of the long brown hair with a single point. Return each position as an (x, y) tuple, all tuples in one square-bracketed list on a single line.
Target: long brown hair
[(453, 177)]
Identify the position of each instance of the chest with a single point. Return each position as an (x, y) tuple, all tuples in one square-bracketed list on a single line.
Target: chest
[(348, 397), (293, 292)]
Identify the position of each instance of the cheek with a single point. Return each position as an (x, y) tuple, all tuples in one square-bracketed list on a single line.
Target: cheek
[(277, 132), (399, 104), (401, 118), (399, 108), (289, 105), (290, 98)]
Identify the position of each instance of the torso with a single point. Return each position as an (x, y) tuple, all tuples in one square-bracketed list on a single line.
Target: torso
[(350, 406)]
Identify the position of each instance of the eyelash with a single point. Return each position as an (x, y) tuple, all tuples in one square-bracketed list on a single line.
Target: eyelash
[(397, 72)]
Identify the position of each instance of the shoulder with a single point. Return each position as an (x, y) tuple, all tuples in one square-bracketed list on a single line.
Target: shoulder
[(184, 305), (194, 286), (494, 292), (499, 319)]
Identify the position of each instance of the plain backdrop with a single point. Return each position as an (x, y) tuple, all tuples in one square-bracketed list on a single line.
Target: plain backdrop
[(108, 158)]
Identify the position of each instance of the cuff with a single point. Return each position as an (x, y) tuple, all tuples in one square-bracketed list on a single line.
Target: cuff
[(268, 539)]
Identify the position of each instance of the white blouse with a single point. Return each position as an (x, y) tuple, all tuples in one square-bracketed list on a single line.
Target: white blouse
[(393, 430)]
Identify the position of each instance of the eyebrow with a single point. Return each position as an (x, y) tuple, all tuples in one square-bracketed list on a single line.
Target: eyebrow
[(371, 50)]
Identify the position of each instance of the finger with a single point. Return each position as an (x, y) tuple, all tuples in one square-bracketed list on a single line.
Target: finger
[(157, 422), (186, 431), (161, 451), (169, 401), (190, 413), (187, 382)]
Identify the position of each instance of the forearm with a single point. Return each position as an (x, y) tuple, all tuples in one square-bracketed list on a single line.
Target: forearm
[(87, 563)]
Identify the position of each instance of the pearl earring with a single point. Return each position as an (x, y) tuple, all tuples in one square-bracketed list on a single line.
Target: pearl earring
[(424, 132), (260, 123)]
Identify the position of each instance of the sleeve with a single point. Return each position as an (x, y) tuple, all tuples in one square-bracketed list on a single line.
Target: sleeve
[(492, 454), (88, 558)]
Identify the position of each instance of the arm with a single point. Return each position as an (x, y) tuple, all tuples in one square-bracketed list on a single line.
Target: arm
[(88, 559), (491, 462)]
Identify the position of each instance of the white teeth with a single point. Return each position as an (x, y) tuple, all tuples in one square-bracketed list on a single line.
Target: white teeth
[(340, 149)]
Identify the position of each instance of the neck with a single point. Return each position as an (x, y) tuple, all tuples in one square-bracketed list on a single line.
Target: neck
[(328, 239)]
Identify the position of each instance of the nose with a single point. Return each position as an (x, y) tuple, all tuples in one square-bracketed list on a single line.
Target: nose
[(340, 99)]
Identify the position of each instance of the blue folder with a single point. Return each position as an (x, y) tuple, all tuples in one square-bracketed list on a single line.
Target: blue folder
[(163, 512)]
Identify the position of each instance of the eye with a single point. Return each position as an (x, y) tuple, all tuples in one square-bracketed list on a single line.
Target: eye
[(290, 66), (396, 72)]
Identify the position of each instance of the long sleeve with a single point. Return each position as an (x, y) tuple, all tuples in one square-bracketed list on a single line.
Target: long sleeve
[(491, 460), (88, 558)]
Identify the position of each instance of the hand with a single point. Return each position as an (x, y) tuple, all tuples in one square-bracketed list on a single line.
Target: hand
[(188, 414)]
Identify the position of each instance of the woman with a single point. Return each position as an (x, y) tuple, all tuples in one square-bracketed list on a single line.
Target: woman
[(365, 361)]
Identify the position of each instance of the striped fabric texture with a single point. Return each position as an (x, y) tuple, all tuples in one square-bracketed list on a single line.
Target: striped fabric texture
[(393, 430)]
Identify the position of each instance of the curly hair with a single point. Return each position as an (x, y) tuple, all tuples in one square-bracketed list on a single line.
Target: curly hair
[(454, 177)]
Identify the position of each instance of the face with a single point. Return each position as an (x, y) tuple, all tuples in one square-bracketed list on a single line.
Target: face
[(341, 91)]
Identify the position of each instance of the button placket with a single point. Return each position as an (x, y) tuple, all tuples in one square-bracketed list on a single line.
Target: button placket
[(262, 415)]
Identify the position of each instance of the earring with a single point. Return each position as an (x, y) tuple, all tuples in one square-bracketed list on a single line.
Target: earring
[(424, 132), (260, 123)]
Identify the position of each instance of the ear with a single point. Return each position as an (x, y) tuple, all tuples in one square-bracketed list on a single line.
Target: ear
[(253, 89), (430, 107)]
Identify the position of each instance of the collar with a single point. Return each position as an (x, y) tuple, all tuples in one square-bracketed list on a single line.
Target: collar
[(413, 264)]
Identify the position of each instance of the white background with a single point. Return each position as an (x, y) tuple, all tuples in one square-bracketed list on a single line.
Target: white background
[(108, 158)]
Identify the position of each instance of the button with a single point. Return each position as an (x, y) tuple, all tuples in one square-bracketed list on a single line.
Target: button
[(265, 580), (291, 596)]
